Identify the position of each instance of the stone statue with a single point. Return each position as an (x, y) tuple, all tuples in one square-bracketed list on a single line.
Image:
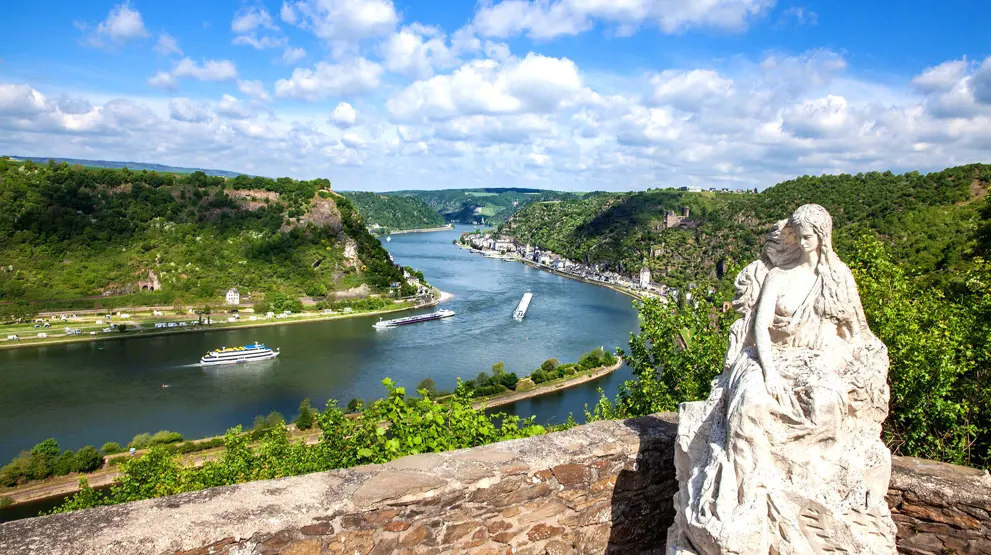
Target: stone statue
[(785, 456)]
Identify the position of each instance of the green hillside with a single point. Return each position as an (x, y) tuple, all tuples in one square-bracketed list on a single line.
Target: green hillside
[(471, 206), (927, 221), (394, 212), (70, 233)]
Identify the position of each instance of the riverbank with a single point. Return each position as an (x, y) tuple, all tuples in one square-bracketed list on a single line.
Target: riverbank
[(548, 387), (448, 227), (215, 326), (62, 486), (622, 290)]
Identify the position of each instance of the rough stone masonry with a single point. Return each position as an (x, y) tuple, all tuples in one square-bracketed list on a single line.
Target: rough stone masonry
[(604, 487)]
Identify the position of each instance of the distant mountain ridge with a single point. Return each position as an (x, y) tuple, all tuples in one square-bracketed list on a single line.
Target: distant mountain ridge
[(136, 166)]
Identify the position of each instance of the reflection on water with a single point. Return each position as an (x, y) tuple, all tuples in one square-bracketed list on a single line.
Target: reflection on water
[(90, 393)]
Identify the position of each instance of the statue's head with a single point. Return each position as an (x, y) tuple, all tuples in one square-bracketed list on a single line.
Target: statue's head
[(813, 228)]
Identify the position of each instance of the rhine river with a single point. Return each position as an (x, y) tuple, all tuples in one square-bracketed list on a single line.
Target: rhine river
[(91, 393)]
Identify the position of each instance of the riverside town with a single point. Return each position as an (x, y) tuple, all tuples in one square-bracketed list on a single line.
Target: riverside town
[(504, 277)]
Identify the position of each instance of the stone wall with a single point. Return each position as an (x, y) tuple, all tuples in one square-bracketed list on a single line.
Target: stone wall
[(601, 488)]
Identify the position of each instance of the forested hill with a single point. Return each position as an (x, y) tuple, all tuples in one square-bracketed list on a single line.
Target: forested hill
[(394, 212), (928, 222), (493, 205), (70, 232), (134, 166)]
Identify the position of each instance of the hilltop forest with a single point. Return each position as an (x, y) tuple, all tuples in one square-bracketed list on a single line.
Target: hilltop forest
[(72, 234), (394, 212), (472, 206)]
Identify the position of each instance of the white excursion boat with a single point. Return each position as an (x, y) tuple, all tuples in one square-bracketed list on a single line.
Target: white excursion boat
[(233, 355)]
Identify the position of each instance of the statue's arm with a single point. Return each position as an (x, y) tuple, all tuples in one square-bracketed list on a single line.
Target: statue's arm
[(762, 336)]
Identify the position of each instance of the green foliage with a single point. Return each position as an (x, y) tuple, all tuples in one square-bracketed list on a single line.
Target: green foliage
[(72, 233), (65, 464), (140, 441), (88, 459), (305, 419), (427, 385), (111, 447), (164, 437), (387, 429), (471, 205), (550, 365), (6, 501), (394, 212), (273, 420), (356, 405)]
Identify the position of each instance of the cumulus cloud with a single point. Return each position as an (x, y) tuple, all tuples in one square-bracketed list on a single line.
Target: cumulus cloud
[(344, 115), (547, 19), (259, 43), (163, 80), (415, 51), (254, 89), (208, 70), (353, 77), (688, 90), (231, 107), (293, 55), (121, 25), (167, 44), (342, 20), (536, 83), (249, 19), (184, 109)]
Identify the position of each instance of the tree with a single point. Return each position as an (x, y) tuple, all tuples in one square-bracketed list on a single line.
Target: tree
[(355, 405), (305, 419), (550, 365), (428, 385), (111, 447), (498, 368)]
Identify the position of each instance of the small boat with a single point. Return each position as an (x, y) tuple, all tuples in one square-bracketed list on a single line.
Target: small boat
[(382, 324), (234, 355), (388, 238)]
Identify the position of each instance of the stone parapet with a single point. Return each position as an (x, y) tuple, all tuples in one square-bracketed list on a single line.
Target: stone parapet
[(604, 487)]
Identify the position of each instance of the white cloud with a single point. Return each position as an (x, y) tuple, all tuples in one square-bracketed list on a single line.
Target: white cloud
[(942, 77), (817, 118), (688, 90), (184, 109), (981, 82), (233, 108), (249, 19), (293, 55), (21, 100), (208, 70), (355, 76), (353, 140), (254, 89), (122, 24), (167, 44), (287, 13), (534, 84), (344, 115), (415, 51), (259, 43), (343, 20), (546, 19), (163, 80)]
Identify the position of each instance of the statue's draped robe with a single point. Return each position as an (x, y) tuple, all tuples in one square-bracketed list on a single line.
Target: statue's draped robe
[(807, 474)]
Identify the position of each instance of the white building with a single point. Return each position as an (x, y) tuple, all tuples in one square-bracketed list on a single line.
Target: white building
[(233, 297), (644, 278)]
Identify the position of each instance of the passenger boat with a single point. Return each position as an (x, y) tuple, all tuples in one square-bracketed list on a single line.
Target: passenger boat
[(521, 308), (382, 324), (234, 355)]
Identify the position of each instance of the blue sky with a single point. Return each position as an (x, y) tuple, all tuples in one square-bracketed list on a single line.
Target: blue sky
[(564, 94)]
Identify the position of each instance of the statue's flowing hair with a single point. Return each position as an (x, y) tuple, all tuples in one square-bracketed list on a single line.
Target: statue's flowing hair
[(833, 302)]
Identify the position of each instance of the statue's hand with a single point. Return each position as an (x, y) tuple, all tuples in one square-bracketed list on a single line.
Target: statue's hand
[(774, 384)]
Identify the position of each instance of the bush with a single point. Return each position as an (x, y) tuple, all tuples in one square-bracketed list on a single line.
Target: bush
[(550, 365), (165, 437), (6, 501), (355, 405), (498, 368), (539, 377), (273, 420), (65, 464), (110, 448), (88, 459), (509, 380), (140, 441)]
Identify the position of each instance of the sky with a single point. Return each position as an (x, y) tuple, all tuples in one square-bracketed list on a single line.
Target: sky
[(558, 94)]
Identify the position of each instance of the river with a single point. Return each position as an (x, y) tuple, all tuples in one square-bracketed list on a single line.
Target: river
[(90, 393)]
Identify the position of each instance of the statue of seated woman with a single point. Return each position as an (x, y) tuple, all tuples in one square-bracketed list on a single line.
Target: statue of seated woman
[(785, 456)]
